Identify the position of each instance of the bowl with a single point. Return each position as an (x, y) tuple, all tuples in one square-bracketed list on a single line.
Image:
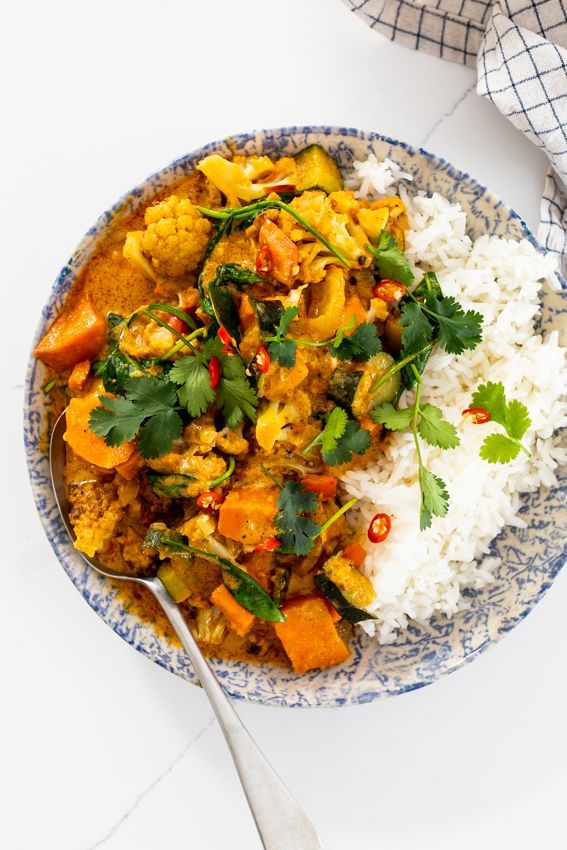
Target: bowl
[(531, 557)]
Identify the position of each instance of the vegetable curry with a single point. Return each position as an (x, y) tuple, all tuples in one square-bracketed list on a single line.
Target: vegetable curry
[(219, 358)]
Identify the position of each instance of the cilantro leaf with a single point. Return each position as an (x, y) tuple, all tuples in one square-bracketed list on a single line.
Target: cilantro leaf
[(518, 419), (283, 351), (355, 440), (334, 429), (195, 393), (152, 394), (390, 261), (434, 497), (436, 430), (497, 448), (296, 530), (361, 345), (159, 432), (457, 330), (117, 420), (417, 329), (340, 334), (492, 398), (235, 398), (395, 420)]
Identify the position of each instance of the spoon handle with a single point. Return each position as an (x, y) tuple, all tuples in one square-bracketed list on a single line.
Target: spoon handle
[(281, 822)]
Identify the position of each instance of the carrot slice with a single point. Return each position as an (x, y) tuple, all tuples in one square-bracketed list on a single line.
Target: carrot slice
[(86, 444), (324, 485), (355, 553), (79, 376), (309, 636), (240, 619), (284, 256), (78, 334)]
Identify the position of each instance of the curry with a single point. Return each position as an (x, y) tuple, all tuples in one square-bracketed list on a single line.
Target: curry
[(219, 357)]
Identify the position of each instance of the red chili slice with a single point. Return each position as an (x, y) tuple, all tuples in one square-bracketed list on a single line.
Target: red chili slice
[(209, 501), (224, 337), (178, 325), (263, 360), (263, 261), (477, 415), (379, 528), (389, 290), (268, 545), (214, 372)]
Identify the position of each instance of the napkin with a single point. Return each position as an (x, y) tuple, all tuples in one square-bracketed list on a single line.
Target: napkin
[(519, 48)]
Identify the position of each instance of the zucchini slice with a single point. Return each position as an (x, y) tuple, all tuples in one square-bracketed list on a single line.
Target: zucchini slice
[(364, 400), (338, 600), (269, 313), (342, 387), (174, 582), (317, 170)]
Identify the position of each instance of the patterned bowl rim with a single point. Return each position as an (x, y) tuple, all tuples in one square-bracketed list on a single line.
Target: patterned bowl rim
[(58, 545)]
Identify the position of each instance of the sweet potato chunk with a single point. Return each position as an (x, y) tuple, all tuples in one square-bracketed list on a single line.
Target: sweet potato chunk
[(77, 334), (309, 636), (79, 376), (86, 444), (240, 619), (247, 514)]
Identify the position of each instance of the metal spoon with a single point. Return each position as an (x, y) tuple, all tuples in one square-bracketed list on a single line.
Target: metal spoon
[(281, 822)]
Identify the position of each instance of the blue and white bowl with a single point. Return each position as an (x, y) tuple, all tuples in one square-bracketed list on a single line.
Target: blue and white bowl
[(531, 557)]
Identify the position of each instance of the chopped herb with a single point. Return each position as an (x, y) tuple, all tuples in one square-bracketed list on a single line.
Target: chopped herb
[(281, 350), (390, 261), (296, 529), (340, 438), (514, 418)]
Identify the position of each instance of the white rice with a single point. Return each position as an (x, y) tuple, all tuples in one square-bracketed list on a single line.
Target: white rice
[(419, 574)]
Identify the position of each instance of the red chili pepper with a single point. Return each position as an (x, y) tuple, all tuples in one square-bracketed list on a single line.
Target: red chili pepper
[(263, 360), (282, 187), (268, 545), (477, 415), (263, 261), (214, 372), (178, 325), (379, 528), (389, 290), (224, 337), (209, 501)]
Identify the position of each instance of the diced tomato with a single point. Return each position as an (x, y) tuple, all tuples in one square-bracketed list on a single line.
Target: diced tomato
[(268, 545), (178, 325), (283, 253)]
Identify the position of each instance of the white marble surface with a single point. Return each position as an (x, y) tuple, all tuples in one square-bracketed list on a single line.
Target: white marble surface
[(98, 747)]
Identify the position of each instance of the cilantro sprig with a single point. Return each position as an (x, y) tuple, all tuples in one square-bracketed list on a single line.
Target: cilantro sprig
[(147, 411), (426, 421), (340, 438), (512, 415), (360, 346), (390, 261)]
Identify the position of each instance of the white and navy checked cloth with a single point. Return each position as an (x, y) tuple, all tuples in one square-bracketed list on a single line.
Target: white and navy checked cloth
[(520, 50)]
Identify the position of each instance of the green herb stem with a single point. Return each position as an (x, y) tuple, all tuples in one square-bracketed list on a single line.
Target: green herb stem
[(175, 311), (271, 477), (311, 445), (225, 475), (346, 507), (244, 212), (398, 366), (416, 414)]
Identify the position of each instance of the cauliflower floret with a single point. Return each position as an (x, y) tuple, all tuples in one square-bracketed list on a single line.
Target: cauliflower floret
[(275, 417), (203, 470), (235, 178), (174, 240), (95, 515)]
